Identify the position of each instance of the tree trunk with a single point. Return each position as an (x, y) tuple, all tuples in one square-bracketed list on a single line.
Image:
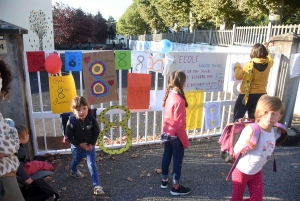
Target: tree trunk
[(40, 43), (275, 14)]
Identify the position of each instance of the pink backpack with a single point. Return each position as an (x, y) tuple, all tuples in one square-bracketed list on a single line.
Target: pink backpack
[(231, 134)]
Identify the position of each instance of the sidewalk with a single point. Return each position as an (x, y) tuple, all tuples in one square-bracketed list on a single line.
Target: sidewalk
[(131, 176)]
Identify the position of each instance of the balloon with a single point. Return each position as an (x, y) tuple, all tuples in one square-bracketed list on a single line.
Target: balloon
[(53, 64), (166, 46)]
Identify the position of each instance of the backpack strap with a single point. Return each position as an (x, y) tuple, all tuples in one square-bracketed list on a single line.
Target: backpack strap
[(251, 143)]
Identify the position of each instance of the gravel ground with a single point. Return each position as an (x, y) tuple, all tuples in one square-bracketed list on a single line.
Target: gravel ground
[(132, 176)]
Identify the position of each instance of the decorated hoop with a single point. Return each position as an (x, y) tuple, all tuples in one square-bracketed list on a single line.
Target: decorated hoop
[(109, 124)]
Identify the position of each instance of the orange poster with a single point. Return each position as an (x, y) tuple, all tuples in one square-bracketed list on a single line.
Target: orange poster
[(100, 78), (138, 91)]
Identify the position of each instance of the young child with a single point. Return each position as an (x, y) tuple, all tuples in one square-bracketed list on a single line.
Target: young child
[(82, 136), (248, 171), (174, 135), (28, 168), (254, 75)]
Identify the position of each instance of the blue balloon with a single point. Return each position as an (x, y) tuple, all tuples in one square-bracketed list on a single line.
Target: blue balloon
[(166, 46)]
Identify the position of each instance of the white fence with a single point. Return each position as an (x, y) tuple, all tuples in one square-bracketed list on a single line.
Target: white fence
[(146, 125)]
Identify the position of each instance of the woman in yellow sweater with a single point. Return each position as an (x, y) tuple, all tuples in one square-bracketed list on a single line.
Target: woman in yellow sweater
[(254, 75)]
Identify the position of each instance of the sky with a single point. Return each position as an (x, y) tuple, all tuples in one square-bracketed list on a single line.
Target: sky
[(114, 8)]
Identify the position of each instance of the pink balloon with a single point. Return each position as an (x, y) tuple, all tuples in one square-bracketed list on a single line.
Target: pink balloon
[(53, 64)]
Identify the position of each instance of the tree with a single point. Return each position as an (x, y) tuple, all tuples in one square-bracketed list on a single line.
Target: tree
[(149, 14), (111, 23), (38, 25), (99, 28), (131, 22)]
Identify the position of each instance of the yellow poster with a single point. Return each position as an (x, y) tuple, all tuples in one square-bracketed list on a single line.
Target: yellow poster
[(62, 90), (195, 109)]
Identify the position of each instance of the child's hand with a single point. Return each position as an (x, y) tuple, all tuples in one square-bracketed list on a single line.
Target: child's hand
[(90, 148), (84, 146), (28, 181)]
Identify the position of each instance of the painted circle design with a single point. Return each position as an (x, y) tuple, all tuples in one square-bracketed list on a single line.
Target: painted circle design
[(95, 91), (111, 124), (98, 68)]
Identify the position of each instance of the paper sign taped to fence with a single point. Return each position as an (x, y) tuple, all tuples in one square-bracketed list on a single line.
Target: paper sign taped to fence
[(212, 115), (295, 67), (100, 77), (62, 90), (138, 91), (73, 61), (195, 109), (156, 99), (205, 71), (123, 59), (139, 61), (36, 61)]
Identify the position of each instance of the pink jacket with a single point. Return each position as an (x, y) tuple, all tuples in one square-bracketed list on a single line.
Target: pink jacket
[(174, 118)]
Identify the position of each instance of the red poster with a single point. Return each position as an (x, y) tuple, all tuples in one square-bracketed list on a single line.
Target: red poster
[(138, 91), (35, 61)]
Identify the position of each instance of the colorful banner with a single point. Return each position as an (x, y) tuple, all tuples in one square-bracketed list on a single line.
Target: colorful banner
[(138, 91), (123, 59), (100, 78), (35, 61), (73, 61), (194, 111), (62, 90)]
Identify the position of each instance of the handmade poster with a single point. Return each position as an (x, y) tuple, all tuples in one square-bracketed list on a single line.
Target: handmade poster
[(205, 71), (194, 111), (73, 61), (168, 61), (156, 99), (212, 115), (36, 61), (295, 67), (139, 61), (62, 90), (155, 64), (232, 70), (100, 78), (123, 59), (138, 91)]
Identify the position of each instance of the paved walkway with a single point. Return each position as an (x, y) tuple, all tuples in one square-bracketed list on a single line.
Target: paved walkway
[(131, 175)]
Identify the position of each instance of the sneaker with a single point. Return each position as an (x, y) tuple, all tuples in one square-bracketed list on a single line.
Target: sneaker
[(77, 174), (55, 165), (164, 184), (98, 190), (180, 191)]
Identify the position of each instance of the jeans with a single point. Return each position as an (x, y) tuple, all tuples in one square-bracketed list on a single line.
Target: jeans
[(240, 109), (78, 154), (172, 148)]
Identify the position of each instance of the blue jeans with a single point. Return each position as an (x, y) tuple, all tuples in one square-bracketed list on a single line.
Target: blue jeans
[(78, 154), (172, 148)]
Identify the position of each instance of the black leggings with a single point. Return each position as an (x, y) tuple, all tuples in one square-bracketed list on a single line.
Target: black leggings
[(240, 109)]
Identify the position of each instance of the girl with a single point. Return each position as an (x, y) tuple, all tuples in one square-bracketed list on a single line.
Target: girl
[(174, 135), (9, 188), (82, 131), (28, 168), (248, 171), (254, 75)]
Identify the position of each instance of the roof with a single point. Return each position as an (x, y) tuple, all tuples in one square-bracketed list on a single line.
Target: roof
[(8, 28)]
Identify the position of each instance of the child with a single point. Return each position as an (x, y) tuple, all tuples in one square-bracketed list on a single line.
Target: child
[(254, 75), (82, 137), (174, 135), (28, 168), (248, 171)]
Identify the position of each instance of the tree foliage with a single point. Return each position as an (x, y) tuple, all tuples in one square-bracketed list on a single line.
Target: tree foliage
[(111, 24)]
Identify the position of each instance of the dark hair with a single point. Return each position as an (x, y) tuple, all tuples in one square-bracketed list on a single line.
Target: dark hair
[(6, 77), (259, 51), (79, 101), (22, 130), (176, 81)]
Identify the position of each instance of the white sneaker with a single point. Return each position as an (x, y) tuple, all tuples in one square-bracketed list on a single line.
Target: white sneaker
[(98, 190), (77, 174)]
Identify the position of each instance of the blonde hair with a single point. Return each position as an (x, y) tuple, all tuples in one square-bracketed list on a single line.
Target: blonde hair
[(268, 103), (22, 131), (176, 81)]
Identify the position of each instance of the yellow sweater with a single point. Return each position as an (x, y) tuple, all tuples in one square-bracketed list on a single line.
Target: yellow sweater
[(259, 80)]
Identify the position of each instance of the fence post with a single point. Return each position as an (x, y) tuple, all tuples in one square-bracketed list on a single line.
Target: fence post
[(173, 37), (269, 32), (194, 35), (210, 36), (233, 35), (182, 37)]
